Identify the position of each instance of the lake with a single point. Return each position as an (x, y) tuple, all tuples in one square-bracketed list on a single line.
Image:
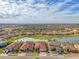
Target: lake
[(74, 39)]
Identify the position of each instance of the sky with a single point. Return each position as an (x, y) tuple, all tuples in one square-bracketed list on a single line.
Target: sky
[(39, 11)]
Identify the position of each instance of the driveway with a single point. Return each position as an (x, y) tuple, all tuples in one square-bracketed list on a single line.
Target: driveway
[(21, 54), (3, 54), (43, 54)]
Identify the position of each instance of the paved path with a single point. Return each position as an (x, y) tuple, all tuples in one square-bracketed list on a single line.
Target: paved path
[(3, 54), (43, 54), (58, 57), (16, 57), (21, 54), (33, 57)]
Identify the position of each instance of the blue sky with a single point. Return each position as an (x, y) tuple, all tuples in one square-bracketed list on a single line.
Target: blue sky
[(39, 11)]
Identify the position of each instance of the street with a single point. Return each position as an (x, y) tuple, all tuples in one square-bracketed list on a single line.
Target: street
[(34, 57)]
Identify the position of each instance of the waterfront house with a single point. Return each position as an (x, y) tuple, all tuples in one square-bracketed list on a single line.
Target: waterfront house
[(65, 45), (41, 46), (52, 44), (13, 47), (73, 49), (27, 46), (76, 46)]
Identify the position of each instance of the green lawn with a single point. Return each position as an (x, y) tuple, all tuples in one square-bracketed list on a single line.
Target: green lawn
[(40, 36), (37, 57), (1, 50), (13, 54), (32, 53), (13, 39)]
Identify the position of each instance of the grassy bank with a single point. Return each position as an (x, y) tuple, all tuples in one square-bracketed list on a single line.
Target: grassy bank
[(40, 36), (11, 40)]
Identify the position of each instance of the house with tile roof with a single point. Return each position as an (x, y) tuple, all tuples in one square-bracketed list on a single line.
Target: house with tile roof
[(27, 46), (13, 47), (41, 46)]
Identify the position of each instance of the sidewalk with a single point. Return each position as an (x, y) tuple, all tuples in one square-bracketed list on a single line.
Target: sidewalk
[(22, 54)]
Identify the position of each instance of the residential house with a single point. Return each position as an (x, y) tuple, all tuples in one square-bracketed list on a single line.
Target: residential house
[(27, 46), (66, 46), (13, 47), (41, 46), (52, 44)]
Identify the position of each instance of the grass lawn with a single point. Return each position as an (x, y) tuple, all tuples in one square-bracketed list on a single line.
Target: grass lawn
[(32, 54), (1, 50), (12, 54), (40, 36), (11, 40), (37, 57)]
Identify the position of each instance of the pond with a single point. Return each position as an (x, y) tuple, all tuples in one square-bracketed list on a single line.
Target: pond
[(74, 39)]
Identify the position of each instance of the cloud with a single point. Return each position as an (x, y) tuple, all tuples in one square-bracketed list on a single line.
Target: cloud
[(38, 10)]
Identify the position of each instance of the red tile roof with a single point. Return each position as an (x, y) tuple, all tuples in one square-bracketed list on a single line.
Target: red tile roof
[(27, 45), (40, 45), (13, 45)]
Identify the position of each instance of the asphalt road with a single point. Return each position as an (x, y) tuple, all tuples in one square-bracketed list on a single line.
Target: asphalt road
[(33, 57)]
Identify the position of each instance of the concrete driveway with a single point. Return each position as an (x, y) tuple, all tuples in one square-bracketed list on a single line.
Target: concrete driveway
[(3, 54), (43, 54), (21, 54)]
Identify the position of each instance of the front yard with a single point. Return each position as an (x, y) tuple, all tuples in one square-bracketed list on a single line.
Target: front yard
[(12, 54), (32, 53), (1, 50)]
